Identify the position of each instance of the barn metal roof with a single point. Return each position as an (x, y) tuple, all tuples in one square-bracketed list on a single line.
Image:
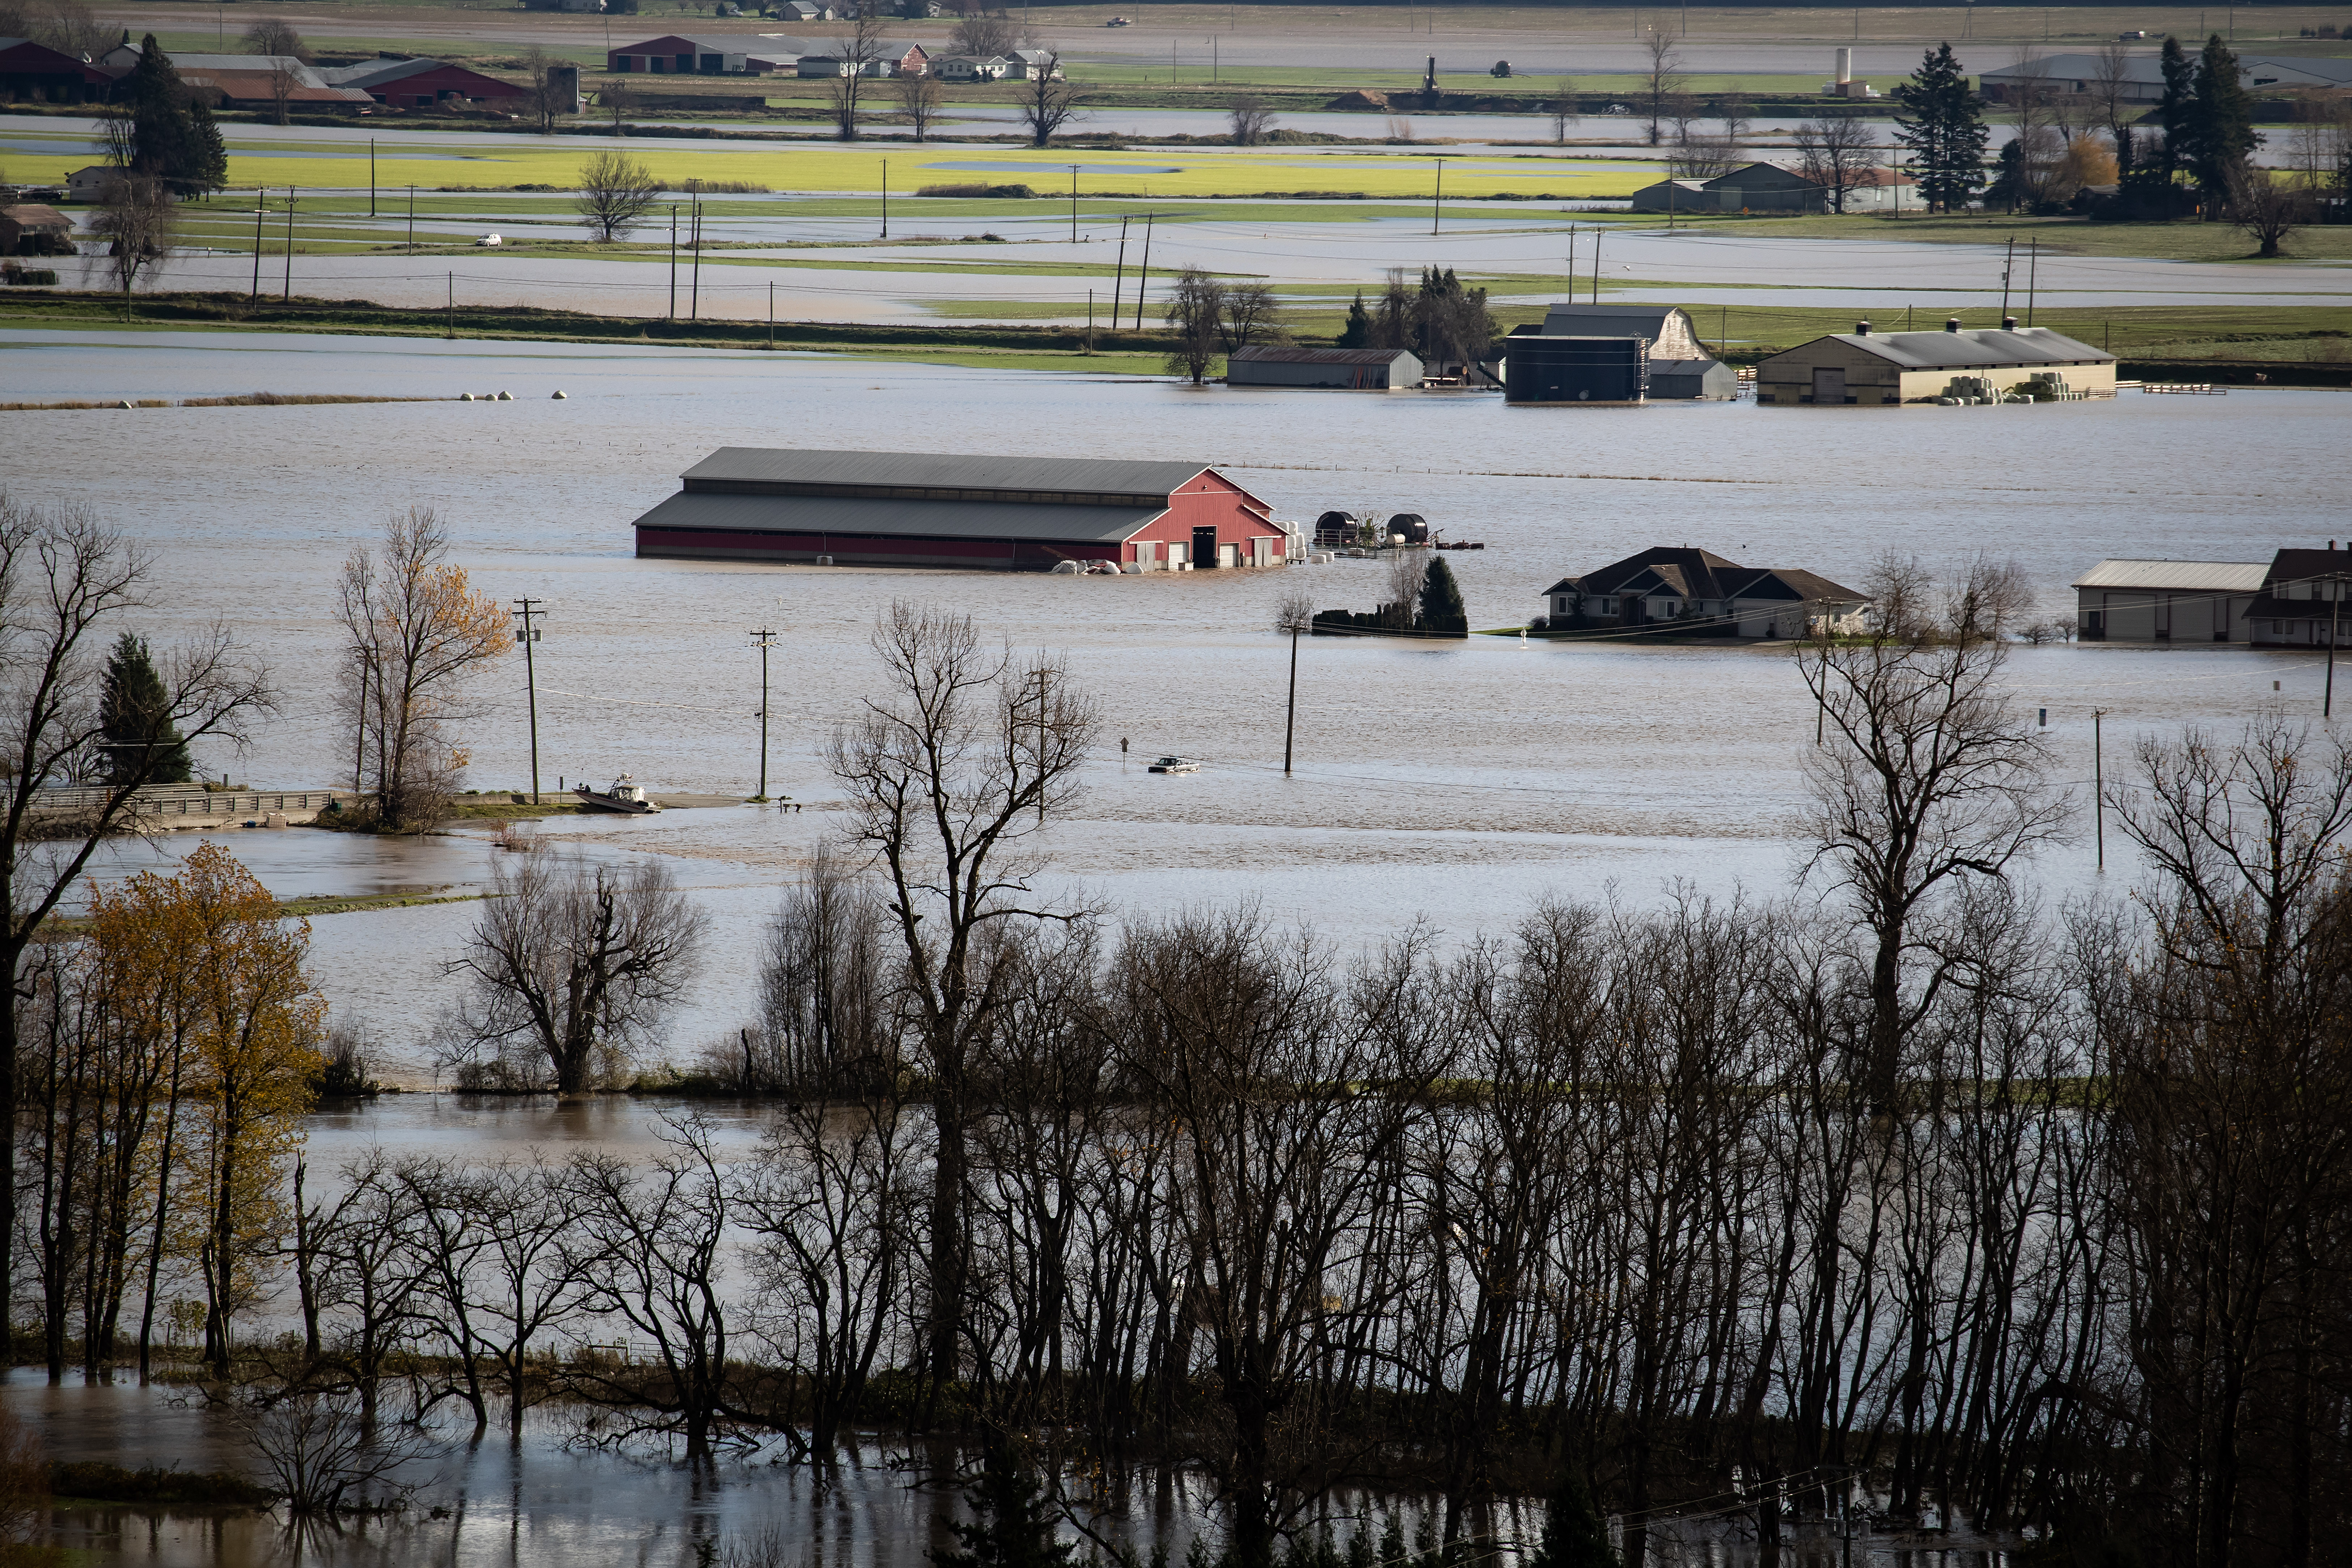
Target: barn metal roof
[(1275, 355), (938, 470), (863, 515), (1983, 346), (2209, 577)]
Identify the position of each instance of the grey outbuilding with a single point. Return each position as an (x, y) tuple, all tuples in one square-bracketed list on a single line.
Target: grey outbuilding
[(1347, 370), (2167, 601), (1984, 364)]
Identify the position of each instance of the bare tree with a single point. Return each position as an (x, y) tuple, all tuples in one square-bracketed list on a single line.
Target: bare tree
[(1928, 778), (1047, 101), (1252, 118), (1698, 155), (982, 33), (2265, 209), (141, 224), (2111, 97), (1738, 120), (855, 54), (68, 26), (324, 1456), (920, 98), (615, 193), (1661, 79), (574, 964), (276, 35), (282, 83), (554, 88), (949, 781), (1837, 153), (1562, 109), (1251, 315), (618, 102), (65, 577), (415, 632), (826, 1012), (1196, 314)]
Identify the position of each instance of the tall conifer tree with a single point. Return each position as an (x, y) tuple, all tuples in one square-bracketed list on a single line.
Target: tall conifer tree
[(135, 712), (1944, 129), (173, 136)]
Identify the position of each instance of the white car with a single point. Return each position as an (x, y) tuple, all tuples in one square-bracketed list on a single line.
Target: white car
[(1175, 765)]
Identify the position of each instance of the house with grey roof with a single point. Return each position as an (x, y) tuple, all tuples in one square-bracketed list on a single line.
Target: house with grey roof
[(1680, 591), (2303, 600), (2126, 600), (1978, 365), (1004, 513)]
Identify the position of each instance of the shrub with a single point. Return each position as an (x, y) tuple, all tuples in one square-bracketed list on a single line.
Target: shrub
[(1009, 193)]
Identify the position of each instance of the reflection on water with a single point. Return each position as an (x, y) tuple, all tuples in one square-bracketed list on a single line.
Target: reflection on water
[(493, 1504)]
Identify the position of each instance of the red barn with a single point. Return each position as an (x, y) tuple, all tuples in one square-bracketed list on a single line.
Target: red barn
[(425, 84), (37, 73), (923, 509)]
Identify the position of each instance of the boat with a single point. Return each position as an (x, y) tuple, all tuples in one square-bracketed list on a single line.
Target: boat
[(627, 796), (1175, 765)]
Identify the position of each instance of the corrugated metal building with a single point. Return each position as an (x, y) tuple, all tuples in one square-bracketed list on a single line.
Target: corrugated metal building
[(926, 508), (1352, 370), (2167, 601), (1677, 366), (1540, 368), (1881, 368)]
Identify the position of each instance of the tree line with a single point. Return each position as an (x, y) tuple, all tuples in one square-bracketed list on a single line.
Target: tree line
[(1910, 1187)]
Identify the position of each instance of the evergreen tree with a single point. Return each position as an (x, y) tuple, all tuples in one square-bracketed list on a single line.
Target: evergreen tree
[(1358, 332), (1945, 131), (2221, 129), (1574, 1535), (172, 137), (2174, 110), (1010, 1525), (135, 713), (1442, 610), (2008, 185)]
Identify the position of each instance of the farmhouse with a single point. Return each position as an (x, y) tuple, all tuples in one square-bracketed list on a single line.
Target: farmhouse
[(1700, 593), (2301, 600), (1353, 370), (1874, 368), (2168, 601), (924, 508)]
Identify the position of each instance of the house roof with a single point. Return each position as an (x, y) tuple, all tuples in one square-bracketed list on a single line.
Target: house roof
[(1972, 348), (32, 217), (254, 86), (380, 72), (300, 70), (1702, 575), (2211, 576), (1024, 476), (1263, 354), (1567, 319), (1749, 175), (2145, 69), (852, 516), (2304, 565)]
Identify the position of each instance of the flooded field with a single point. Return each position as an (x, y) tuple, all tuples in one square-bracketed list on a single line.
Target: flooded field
[(1458, 781)]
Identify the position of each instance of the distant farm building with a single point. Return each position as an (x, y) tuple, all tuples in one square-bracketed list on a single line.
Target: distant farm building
[(1612, 354), (1353, 370), (424, 84), (35, 228), (923, 509), (726, 54), (35, 73), (1699, 593), (1883, 368), (2302, 604), (2168, 601)]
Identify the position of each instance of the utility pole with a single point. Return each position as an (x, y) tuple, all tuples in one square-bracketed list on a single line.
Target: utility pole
[(763, 640), (527, 635), (1073, 203), (2007, 266), (1290, 719), (412, 220), (2098, 789), (290, 200), (371, 176), (694, 311), (2335, 616), (2032, 273), (886, 198), (673, 261), (1437, 201), (1118, 277), (1143, 273), (450, 327), (771, 313), (1596, 270), (260, 211)]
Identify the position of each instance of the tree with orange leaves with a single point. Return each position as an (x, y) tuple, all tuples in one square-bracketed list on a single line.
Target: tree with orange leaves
[(217, 974), (417, 631)]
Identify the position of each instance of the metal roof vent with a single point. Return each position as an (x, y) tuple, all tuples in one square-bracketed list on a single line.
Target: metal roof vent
[(2009, 323), (1951, 323), (1862, 329)]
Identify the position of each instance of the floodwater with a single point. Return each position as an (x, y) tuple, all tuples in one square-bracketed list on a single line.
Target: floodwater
[(1459, 781)]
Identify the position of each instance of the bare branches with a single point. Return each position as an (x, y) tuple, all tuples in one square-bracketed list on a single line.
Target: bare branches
[(1251, 118), (616, 191), (1047, 101)]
